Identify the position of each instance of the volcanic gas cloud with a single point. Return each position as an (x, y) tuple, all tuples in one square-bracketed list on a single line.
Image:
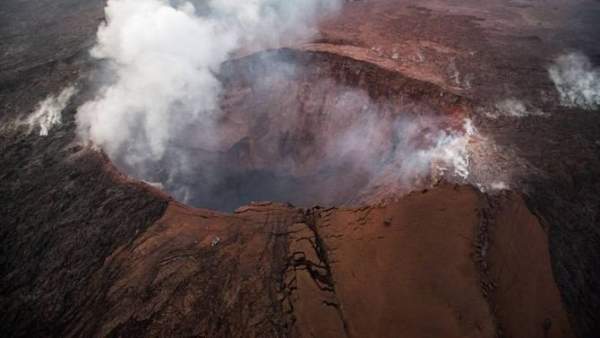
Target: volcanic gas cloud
[(189, 103)]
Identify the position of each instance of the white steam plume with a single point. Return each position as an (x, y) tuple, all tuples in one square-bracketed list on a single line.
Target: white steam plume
[(160, 114), (423, 153), (451, 150), (163, 56), (513, 108), (49, 111), (577, 81)]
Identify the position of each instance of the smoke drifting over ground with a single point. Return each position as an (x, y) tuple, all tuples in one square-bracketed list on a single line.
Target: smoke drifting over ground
[(49, 112), (577, 81), (170, 114), (513, 108), (163, 57)]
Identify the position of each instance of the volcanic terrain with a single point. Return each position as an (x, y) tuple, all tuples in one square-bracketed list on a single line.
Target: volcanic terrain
[(311, 217)]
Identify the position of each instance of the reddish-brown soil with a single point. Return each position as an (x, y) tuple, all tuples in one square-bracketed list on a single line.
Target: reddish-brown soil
[(518, 260), (427, 254), (469, 267)]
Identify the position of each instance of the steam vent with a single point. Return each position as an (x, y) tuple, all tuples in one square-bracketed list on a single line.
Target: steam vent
[(300, 168)]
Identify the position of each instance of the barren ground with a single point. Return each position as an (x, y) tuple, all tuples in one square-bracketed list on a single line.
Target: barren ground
[(87, 251)]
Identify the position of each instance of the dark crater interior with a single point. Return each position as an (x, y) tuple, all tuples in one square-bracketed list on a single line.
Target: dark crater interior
[(301, 127)]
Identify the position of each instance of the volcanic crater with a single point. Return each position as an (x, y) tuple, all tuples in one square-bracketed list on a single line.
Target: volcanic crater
[(351, 119), (307, 128)]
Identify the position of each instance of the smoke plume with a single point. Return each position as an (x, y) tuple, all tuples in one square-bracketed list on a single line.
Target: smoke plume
[(577, 81), (168, 116), (513, 108), (49, 111), (162, 58)]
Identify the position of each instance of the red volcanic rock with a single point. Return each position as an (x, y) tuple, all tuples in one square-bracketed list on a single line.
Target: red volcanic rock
[(447, 262), (403, 269)]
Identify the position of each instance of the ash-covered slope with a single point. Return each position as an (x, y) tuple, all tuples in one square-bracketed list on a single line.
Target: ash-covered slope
[(85, 251)]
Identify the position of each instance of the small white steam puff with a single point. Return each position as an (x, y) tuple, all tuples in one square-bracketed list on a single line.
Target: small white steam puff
[(49, 111), (577, 81), (514, 108), (451, 151)]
